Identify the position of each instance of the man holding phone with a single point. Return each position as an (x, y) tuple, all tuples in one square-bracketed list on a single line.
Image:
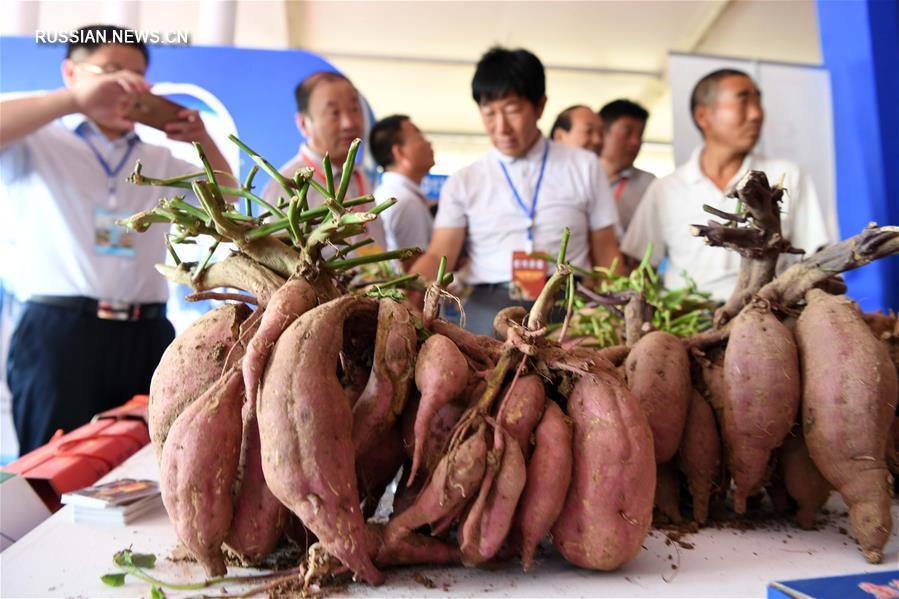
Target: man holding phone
[(94, 325)]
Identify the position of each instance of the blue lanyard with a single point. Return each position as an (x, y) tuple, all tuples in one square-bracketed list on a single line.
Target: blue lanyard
[(529, 213), (111, 173)]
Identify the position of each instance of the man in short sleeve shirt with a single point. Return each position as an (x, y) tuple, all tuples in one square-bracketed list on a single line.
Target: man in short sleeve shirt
[(399, 148), (329, 115), (94, 326), (520, 195), (726, 107)]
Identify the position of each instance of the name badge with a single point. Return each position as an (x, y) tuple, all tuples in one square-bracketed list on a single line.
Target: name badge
[(528, 276), (109, 238)]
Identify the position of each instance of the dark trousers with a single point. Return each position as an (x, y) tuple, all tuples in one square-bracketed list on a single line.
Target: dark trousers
[(485, 301), (65, 366)]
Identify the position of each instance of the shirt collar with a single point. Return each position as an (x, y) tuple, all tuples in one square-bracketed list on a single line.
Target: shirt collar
[(625, 173), (80, 124), (691, 171), (534, 155), (391, 177)]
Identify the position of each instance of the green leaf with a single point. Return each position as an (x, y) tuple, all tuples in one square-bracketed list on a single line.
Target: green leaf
[(157, 593), (143, 560), (113, 580), (122, 558)]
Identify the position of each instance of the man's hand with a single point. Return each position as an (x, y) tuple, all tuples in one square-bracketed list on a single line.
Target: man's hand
[(105, 98), (189, 127)]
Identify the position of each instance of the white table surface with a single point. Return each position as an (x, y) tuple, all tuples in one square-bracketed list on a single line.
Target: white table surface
[(61, 558)]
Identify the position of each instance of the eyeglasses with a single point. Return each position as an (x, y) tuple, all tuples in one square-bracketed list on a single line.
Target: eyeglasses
[(101, 70)]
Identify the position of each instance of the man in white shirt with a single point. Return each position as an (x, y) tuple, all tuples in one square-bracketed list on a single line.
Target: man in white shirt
[(329, 116), (726, 107), (519, 197), (623, 123), (94, 326), (399, 148), (578, 126)]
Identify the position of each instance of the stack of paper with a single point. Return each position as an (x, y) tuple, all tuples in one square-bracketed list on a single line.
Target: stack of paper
[(119, 502)]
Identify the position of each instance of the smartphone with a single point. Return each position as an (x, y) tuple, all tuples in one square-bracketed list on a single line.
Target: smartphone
[(153, 110)]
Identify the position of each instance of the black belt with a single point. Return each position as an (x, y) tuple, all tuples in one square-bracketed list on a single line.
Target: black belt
[(104, 309), (491, 286)]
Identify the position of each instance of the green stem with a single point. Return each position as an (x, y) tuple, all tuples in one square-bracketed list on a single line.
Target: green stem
[(382, 206), (348, 166), (564, 247), (329, 174), (396, 282), (352, 248), (401, 254), (441, 270), (248, 185), (293, 220), (210, 174), (171, 249), (202, 266), (265, 165), (192, 210)]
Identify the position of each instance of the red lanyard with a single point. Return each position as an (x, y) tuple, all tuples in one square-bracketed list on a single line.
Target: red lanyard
[(321, 174), (620, 188)]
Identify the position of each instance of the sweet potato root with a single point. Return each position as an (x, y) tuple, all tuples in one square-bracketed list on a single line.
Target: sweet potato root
[(441, 375), (803, 480), (699, 456), (197, 471), (393, 365), (521, 410), (190, 365), (761, 374), (848, 401), (548, 480), (658, 374), (667, 496), (306, 423), (608, 509)]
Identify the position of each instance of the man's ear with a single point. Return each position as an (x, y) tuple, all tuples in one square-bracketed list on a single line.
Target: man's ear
[(68, 72), (701, 116), (304, 123), (398, 154), (540, 106)]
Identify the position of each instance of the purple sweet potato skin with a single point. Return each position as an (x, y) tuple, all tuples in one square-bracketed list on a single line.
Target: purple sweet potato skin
[(761, 376), (393, 366), (848, 402), (291, 300), (305, 423), (802, 479), (699, 456), (658, 373), (198, 468), (608, 509), (259, 518), (668, 492), (488, 523), (521, 410), (377, 467), (441, 375), (191, 364), (548, 480)]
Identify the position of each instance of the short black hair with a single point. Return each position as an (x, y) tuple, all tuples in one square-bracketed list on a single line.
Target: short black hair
[(304, 88), (616, 109), (706, 90), (563, 121), (90, 38), (501, 71), (385, 134)]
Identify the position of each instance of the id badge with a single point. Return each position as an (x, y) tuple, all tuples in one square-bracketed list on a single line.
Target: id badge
[(528, 276), (111, 239), (369, 250)]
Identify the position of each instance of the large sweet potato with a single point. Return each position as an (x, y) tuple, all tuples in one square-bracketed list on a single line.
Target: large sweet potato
[(305, 423), (441, 374), (393, 366), (848, 401), (191, 364), (521, 410), (658, 374), (198, 467), (761, 375), (548, 479), (608, 509), (699, 456), (259, 518)]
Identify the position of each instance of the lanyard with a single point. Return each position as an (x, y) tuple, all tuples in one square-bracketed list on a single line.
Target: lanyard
[(529, 213), (321, 175), (111, 172), (620, 187)]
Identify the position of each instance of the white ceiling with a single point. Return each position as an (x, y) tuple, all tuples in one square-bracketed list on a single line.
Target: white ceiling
[(418, 57)]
